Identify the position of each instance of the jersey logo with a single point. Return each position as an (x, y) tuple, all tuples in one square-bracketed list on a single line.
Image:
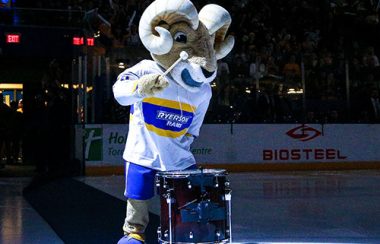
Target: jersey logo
[(172, 119), (167, 118)]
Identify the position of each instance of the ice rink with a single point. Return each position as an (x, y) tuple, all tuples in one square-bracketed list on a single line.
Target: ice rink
[(273, 207)]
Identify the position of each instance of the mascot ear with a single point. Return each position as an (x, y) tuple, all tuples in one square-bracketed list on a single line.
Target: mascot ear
[(217, 20), (223, 48), (157, 39)]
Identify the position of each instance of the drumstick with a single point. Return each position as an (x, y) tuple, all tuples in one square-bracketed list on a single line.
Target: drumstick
[(182, 56)]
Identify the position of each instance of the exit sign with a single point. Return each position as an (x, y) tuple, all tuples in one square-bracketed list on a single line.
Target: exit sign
[(12, 38), (77, 41), (80, 41), (90, 41)]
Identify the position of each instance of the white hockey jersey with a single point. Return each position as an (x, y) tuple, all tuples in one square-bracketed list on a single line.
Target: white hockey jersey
[(161, 127)]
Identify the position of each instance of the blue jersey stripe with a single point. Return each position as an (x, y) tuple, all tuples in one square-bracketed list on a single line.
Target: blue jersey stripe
[(167, 118)]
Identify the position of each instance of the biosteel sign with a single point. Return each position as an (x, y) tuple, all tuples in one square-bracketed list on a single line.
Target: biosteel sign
[(302, 154), (303, 133), (288, 143), (104, 144)]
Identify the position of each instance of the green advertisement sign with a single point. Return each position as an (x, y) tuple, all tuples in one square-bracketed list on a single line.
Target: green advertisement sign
[(94, 144)]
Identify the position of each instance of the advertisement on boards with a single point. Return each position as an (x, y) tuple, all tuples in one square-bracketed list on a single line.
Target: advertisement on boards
[(104, 144), (251, 143), (290, 143)]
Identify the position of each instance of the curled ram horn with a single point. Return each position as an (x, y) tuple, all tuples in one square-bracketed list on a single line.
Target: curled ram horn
[(156, 39), (217, 20)]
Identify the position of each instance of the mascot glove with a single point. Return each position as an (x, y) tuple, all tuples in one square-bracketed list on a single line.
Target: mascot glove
[(149, 85)]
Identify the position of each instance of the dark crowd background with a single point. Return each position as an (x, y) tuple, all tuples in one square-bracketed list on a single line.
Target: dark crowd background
[(277, 44), (294, 61)]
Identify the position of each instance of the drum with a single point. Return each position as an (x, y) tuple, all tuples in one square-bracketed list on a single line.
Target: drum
[(195, 206)]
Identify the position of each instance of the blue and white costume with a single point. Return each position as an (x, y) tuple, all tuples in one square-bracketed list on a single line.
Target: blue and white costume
[(161, 130), (167, 112), (162, 127)]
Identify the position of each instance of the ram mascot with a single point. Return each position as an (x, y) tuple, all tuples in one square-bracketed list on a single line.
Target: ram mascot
[(169, 97)]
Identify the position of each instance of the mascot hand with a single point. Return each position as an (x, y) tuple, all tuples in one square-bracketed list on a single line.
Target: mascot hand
[(149, 85)]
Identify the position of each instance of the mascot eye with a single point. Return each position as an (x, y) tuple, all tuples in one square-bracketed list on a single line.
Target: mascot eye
[(180, 37)]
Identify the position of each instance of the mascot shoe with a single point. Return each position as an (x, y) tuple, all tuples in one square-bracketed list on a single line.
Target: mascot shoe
[(132, 239)]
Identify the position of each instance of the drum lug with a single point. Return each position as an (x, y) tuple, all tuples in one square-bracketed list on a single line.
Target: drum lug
[(189, 185), (157, 182), (169, 200), (164, 184), (168, 196), (191, 235), (227, 184), (227, 196), (216, 182)]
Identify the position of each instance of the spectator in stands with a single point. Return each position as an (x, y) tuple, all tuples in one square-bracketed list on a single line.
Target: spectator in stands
[(271, 67), (273, 37), (370, 59), (223, 68), (292, 69), (133, 38), (239, 68), (223, 75), (313, 37), (253, 68)]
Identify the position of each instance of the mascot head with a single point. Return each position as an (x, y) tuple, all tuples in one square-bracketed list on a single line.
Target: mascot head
[(168, 27)]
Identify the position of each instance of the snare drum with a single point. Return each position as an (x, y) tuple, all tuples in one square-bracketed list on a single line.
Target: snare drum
[(195, 206)]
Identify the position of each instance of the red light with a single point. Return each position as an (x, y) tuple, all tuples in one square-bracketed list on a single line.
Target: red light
[(90, 42), (13, 38), (77, 41)]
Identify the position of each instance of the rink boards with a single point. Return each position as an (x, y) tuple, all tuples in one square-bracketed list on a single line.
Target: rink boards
[(244, 147)]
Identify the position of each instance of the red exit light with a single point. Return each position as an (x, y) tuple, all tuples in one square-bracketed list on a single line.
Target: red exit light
[(78, 41), (90, 42), (13, 38)]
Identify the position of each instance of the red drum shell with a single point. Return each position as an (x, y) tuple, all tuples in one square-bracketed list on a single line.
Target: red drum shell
[(191, 191)]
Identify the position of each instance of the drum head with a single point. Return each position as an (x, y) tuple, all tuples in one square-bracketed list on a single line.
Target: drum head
[(192, 172)]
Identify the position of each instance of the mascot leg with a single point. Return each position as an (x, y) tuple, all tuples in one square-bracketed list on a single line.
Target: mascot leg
[(138, 192), (137, 216), (136, 221)]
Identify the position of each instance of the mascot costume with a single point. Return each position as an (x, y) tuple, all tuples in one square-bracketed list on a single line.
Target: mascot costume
[(169, 97)]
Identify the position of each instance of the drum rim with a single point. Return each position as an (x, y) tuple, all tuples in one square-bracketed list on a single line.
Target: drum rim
[(184, 173), (212, 242)]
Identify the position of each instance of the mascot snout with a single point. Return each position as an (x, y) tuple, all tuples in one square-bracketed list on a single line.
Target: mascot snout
[(192, 75)]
